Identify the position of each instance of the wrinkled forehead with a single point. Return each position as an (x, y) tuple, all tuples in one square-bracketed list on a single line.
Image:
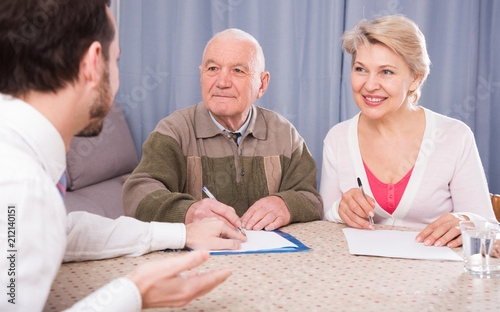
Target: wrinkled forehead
[(231, 51)]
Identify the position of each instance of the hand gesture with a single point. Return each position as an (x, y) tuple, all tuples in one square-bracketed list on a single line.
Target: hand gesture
[(354, 209), (267, 213), (161, 284)]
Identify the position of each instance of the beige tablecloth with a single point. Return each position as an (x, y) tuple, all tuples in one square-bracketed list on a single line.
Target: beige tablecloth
[(326, 278)]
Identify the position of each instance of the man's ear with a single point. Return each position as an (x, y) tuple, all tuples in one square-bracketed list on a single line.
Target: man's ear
[(264, 82), (91, 64)]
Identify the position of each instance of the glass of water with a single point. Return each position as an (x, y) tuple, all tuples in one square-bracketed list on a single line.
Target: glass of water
[(481, 246)]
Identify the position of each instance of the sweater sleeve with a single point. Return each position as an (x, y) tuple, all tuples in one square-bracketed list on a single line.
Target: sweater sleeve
[(156, 189), (298, 187)]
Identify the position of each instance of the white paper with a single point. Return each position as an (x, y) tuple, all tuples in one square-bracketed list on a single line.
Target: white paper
[(394, 244), (260, 240)]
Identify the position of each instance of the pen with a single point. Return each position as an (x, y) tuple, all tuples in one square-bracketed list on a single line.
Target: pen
[(210, 195), (362, 191)]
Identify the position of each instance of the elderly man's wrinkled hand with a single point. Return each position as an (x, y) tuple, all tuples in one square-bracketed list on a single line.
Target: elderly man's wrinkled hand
[(267, 213), (211, 208)]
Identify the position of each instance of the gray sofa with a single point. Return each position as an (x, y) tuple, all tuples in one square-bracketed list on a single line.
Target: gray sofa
[(97, 167)]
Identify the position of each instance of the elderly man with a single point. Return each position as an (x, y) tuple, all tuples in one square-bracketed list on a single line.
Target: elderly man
[(56, 83), (251, 159)]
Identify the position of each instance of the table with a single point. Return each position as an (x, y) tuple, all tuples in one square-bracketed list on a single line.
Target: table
[(326, 278)]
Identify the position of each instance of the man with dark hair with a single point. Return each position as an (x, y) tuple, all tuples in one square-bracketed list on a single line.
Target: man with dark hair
[(58, 77)]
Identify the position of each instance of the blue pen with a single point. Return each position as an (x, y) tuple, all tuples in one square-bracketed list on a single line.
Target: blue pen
[(361, 188), (210, 195)]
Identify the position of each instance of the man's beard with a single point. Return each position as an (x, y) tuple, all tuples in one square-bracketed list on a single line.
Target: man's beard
[(99, 109)]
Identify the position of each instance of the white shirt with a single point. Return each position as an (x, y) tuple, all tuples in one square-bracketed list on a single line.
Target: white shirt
[(448, 176), (32, 160)]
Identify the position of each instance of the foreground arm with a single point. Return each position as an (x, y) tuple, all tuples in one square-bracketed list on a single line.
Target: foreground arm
[(92, 237)]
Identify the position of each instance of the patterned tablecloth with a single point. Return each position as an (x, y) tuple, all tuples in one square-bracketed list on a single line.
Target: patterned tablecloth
[(326, 278)]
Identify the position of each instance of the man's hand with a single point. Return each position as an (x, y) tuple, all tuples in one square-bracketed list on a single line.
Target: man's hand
[(442, 232), (210, 208), (161, 285), (267, 213), (354, 208), (213, 234)]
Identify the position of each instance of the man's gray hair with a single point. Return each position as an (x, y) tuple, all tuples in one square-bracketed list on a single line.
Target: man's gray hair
[(238, 34)]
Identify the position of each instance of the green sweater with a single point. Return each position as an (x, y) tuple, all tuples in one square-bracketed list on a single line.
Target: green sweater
[(187, 151)]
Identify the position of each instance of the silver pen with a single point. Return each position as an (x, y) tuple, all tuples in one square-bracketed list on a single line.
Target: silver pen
[(361, 188), (210, 195)]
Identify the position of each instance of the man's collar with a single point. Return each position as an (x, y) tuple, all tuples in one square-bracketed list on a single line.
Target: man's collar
[(241, 130), (205, 127)]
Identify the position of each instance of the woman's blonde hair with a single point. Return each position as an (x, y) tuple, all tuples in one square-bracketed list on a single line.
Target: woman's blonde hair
[(399, 34)]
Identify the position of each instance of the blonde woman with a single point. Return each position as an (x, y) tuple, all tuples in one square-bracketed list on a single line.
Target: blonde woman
[(418, 168)]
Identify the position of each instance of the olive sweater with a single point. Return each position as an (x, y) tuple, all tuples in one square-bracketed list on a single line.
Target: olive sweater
[(187, 151)]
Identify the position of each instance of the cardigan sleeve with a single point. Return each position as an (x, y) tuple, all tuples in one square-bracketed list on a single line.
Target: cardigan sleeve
[(329, 187), (468, 187)]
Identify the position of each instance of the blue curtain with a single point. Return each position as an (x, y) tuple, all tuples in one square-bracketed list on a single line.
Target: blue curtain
[(162, 43)]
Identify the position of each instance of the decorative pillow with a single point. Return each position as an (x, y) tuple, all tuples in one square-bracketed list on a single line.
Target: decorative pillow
[(110, 154)]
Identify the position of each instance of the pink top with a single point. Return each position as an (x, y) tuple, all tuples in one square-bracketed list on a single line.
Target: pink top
[(388, 195)]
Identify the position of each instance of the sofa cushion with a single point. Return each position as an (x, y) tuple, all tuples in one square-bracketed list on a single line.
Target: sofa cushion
[(110, 154), (104, 199)]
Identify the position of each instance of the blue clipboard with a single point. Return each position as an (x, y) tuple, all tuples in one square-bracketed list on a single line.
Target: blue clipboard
[(300, 247)]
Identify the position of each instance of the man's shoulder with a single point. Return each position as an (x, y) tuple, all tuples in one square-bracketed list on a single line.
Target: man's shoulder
[(180, 119), (18, 161), (273, 118), (181, 114)]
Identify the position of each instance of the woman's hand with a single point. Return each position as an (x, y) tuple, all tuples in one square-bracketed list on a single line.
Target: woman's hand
[(445, 231), (354, 209)]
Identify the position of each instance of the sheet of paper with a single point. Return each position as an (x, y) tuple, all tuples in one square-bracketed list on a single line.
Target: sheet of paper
[(394, 244), (260, 240)]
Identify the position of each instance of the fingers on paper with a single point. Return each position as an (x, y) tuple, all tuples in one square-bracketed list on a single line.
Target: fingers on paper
[(443, 231), (269, 212), (254, 218), (212, 233)]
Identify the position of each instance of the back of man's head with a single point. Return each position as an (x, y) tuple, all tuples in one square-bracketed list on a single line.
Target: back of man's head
[(43, 41)]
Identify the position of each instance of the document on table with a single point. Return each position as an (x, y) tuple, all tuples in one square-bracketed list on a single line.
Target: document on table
[(394, 244), (266, 241)]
